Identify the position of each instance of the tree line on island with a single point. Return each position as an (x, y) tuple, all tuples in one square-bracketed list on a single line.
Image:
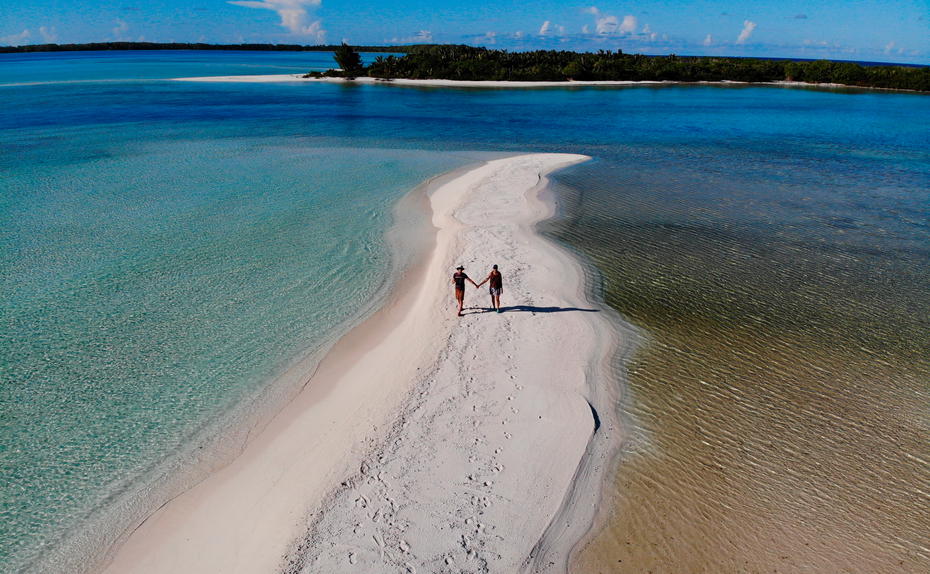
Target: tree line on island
[(457, 62)]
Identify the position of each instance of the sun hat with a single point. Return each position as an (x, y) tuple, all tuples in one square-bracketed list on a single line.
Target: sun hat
[(460, 267)]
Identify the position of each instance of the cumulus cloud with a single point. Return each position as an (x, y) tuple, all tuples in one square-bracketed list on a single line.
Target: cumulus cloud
[(293, 14), (15, 39), (708, 40), (609, 25), (544, 29), (748, 27), (490, 38), (889, 47), (49, 35), (119, 31), (421, 37), (628, 24)]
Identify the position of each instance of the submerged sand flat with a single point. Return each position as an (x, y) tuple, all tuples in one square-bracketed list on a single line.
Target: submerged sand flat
[(425, 441)]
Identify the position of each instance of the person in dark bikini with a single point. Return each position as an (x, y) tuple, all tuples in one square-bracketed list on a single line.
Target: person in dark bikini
[(459, 278), (496, 285)]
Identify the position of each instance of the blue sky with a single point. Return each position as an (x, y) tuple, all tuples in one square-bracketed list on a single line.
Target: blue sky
[(891, 31)]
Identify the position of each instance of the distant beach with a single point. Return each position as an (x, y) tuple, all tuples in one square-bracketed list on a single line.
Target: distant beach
[(288, 78)]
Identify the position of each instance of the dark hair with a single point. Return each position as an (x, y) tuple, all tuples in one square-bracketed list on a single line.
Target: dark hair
[(494, 266)]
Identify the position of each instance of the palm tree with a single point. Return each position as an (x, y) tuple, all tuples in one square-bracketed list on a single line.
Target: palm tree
[(348, 59)]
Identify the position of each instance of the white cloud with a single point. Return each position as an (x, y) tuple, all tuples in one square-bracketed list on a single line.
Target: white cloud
[(889, 47), (49, 35), (544, 29), (518, 34), (119, 31), (748, 27), (421, 37), (609, 25), (628, 25), (708, 40), (293, 14), (490, 38), (585, 29), (15, 39)]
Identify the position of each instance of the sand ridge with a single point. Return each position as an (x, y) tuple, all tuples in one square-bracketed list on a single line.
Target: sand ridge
[(491, 442)]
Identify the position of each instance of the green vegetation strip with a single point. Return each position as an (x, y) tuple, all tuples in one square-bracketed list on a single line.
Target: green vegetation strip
[(468, 63)]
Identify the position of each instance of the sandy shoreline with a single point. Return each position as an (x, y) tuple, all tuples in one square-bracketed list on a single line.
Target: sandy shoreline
[(431, 441), (299, 78)]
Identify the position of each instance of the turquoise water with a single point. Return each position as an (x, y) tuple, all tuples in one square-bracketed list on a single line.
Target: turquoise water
[(167, 248), (107, 66)]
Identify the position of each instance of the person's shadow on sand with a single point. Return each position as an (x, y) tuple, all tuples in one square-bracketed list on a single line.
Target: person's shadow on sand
[(534, 309)]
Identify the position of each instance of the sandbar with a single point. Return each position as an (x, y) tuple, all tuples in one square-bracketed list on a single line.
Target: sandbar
[(426, 441)]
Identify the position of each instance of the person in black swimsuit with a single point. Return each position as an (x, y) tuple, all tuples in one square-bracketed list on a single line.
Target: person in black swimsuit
[(496, 284), (459, 278)]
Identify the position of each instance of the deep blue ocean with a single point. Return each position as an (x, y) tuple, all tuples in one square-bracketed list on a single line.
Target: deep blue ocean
[(168, 247)]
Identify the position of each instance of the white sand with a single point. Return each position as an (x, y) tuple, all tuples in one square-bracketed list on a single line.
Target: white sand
[(299, 78), (425, 441)]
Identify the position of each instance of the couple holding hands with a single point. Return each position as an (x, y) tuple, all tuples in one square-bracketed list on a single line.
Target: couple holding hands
[(494, 279)]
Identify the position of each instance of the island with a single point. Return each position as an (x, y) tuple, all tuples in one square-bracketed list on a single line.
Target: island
[(468, 63)]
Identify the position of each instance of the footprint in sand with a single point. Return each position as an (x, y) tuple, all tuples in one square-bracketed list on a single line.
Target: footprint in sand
[(498, 450), (508, 436), (352, 558)]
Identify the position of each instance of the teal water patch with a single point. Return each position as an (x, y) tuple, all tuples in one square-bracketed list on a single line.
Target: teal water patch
[(152, 288), (109, 66)]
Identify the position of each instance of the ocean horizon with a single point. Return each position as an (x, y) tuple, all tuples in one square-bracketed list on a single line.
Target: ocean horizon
[(170, 248)]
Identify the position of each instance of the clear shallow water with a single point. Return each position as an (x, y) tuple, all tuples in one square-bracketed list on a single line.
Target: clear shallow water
[(109, 66), (168, 247)]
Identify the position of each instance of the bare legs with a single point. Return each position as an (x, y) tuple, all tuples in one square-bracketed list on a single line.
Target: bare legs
[(460, 297)]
